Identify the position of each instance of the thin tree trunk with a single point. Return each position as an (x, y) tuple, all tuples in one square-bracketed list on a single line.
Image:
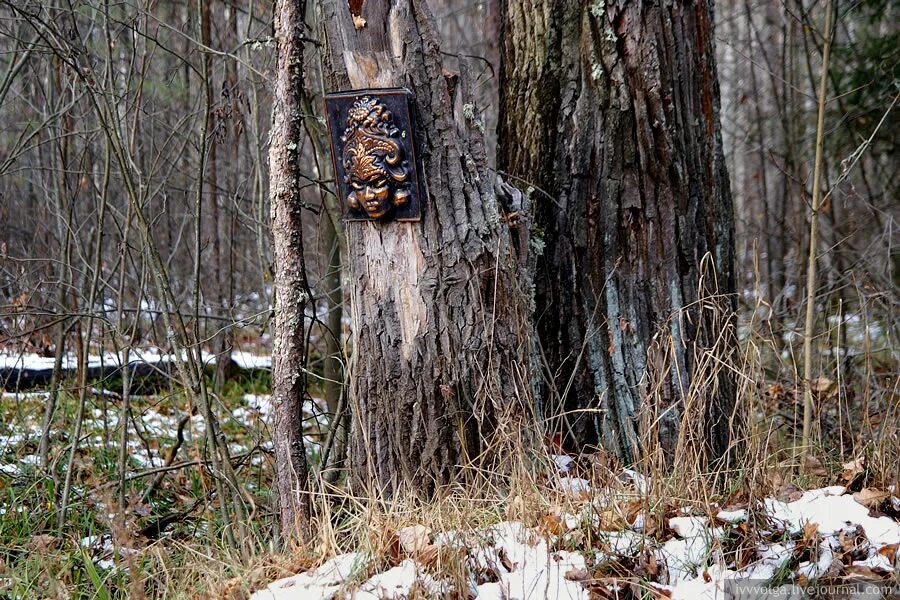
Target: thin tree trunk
[(334, 358), (292, 293), (64, 221), (222, 340), (437, 360), (85, 348), (610, 115), (809, 327)]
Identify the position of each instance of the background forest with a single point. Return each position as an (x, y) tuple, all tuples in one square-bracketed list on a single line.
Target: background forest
[(135, 228)]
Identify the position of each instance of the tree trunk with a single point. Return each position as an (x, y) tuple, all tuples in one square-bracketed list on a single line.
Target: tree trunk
[(610, 115), (291, 285), (222, 340), (436, 364), (334, 360)]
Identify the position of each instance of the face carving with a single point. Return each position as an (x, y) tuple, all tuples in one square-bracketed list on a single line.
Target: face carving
[(376, 169)]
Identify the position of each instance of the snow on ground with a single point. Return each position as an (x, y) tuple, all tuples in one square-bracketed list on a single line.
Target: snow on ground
[(35, 362), (260, 403), (157, 421), (245, 360), (833, 511), (509, 561), (322, 582)]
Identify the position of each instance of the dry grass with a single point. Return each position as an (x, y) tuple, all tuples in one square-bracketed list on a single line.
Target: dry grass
[(858, 420)]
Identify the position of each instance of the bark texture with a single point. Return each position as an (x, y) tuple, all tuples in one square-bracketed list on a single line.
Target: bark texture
[(436, 343), (610, 116), (291, 285)]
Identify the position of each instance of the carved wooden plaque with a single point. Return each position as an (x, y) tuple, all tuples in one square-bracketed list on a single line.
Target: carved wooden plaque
[(373, 148)]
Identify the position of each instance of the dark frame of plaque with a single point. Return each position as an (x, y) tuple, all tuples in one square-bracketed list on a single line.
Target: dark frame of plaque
[(373, 148)]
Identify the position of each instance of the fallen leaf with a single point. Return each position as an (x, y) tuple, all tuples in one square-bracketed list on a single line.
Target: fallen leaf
[(551, 524), (509, 565), (788, 493), (814, 466), (776, 389), (847, 542), (414, 539), (853, 469), (811, 533), (823, 386), (233, 589), (612, 520), (428, 555), (653, 525), (889, 552), (633, 509), (42, 543), (858, 572), (854, 544), (870, 497), (577, 575), (358, 22), (646, 565), (394, 551)]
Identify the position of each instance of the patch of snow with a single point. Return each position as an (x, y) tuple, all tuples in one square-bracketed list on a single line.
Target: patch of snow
[(575, 486), (814, 570), (732, 516), (34, 362), (30, 459), (639, 522), (261, 403), (623, 543), (563, 462), (686, 527), (397, 583), (683, 558), (522, 562), (570, 521), (641, 483), (833, 512), (11, 470), (103, 551), (515, 562), (25, 395), (490, 591), (772, 558), (701, 589), (245, 360), (321, 583), (876, 562)]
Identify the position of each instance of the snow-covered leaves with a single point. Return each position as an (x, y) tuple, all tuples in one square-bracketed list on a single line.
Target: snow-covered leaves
[(600, 543)]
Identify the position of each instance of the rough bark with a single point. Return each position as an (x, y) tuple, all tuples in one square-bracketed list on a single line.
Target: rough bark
[(291, 285), (610, 115), (436, 362)]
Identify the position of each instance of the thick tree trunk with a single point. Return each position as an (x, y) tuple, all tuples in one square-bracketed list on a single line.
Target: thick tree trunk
[(436, 346), (291, 285), (610, 112)]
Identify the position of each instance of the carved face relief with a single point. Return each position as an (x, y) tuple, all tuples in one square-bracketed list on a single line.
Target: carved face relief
[(376, 165), (373, 159)]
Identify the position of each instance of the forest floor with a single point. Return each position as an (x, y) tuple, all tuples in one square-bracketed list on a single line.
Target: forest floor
[(560, 527), (620, 543)]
